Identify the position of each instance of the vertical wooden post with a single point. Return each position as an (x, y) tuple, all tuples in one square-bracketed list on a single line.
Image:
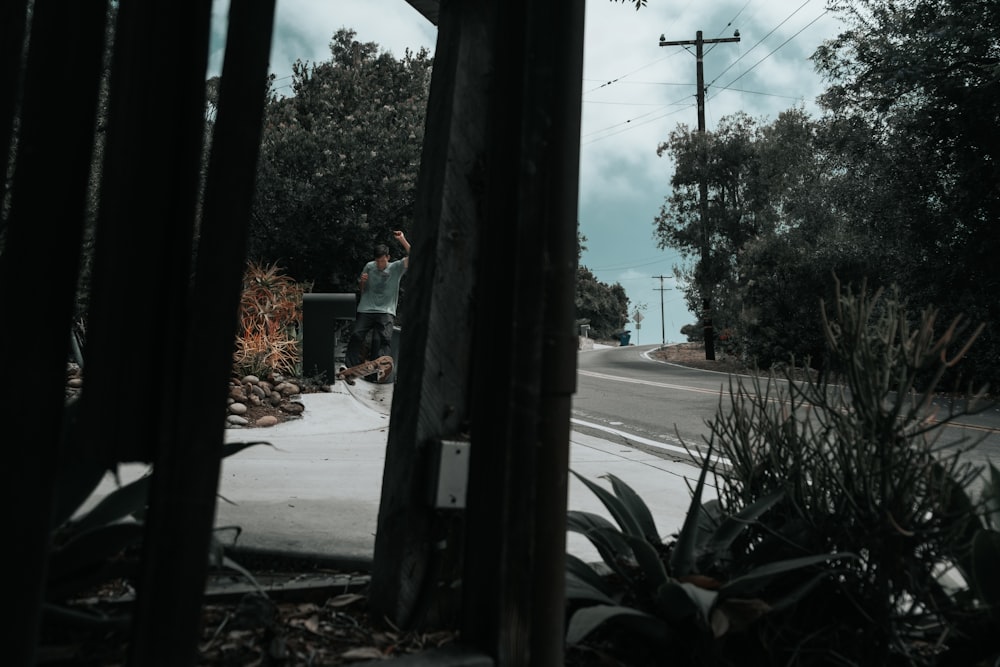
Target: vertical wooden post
[(490, 345)]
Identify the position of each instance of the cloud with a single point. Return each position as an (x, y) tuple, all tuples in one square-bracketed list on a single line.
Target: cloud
[(635, 93)]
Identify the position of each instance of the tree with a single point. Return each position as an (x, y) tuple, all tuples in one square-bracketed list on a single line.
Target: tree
[(605, 306), (339, 160), (780, 199), (922, 75), (746, 168)]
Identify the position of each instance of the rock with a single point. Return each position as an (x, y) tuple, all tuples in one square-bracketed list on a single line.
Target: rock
[(287, 389), (250, 402)]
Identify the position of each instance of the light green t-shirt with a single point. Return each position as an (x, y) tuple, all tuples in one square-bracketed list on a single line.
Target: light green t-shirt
[(382, 291)]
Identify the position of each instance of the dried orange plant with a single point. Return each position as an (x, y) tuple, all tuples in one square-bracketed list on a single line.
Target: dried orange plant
[(269, 337)]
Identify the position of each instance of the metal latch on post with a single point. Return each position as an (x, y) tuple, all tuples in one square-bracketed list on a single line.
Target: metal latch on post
[(450, 474)]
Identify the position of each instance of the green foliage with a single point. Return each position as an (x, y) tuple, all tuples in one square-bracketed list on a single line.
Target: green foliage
[(843, 529), (604, 306), (96, 542), (921, 75), (680, 599), (751, 172), (862, 471), (339, 161), (894, 184)]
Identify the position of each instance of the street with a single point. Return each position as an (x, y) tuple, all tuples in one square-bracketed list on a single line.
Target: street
[(624, 396)]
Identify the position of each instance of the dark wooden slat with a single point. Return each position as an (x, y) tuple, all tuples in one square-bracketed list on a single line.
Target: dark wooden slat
[(39, 265), (13, 28), (185, 486)]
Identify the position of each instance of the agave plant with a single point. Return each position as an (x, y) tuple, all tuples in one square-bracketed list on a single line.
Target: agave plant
[(99, 546), (655, 593)]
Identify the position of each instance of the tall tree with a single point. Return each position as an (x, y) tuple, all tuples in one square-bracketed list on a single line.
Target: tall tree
[(922, 74), (339, 162), (747, 170)]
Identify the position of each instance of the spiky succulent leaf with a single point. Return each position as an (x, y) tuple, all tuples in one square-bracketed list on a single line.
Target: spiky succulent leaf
[(584, 590), (586, 620), (618, 510), (636, 507), (586, 573), (649, 560), (678, 600), (123, 502), (684, 554), (732, 526), (606, 538), (755, 580)]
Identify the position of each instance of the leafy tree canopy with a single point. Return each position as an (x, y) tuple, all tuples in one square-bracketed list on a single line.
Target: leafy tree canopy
[(339, 161), (603, 306), (896, 185)]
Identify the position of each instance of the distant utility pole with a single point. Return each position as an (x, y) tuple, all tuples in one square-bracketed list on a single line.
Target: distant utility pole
[(706, 299), (661, 290)]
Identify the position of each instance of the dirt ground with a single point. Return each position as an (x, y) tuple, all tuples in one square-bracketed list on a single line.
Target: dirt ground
[(693, 355)]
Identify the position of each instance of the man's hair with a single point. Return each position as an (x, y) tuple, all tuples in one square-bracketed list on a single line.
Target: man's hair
[(380, 249)]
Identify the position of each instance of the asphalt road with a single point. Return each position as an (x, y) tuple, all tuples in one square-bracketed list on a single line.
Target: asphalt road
[(623, 395)]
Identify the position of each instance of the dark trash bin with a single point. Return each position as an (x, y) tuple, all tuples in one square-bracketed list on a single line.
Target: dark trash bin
[(322, 318), (624, 339)]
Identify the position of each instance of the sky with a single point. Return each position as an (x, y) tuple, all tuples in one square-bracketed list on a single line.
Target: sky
[(635, 93)]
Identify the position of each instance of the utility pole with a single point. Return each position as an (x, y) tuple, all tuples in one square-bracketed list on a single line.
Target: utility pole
[(663, 329), (706, 296)]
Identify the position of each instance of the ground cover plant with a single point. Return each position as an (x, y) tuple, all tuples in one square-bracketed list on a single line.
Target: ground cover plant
[(845, 532)]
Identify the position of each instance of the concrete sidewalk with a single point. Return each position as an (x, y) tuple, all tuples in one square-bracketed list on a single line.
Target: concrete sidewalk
[(314, 487)]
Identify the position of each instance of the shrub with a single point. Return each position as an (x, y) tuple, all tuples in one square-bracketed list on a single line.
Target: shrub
[(269, 336), (843, 533)]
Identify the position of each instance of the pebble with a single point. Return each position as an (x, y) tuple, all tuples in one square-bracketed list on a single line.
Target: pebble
[(248, 391)]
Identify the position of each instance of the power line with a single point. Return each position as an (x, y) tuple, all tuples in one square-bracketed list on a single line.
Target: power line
[(761, 41), (623, 76), (631, 123), (752, 67), (641, 262)]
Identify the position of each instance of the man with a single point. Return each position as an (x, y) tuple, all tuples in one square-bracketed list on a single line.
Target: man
[(379, 286)]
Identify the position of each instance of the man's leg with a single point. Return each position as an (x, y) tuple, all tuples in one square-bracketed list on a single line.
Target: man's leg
[(384, 333), (362, 325)]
